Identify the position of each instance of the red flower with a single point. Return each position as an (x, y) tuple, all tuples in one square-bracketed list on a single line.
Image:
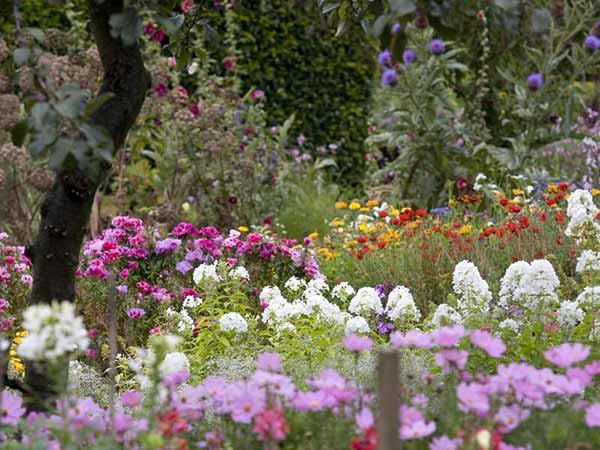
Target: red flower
[(514, 209), (563, 187), (383, 214), (367, 441), (421, 212), (462, 184), (559, 217), (504, 201), (550, 202)]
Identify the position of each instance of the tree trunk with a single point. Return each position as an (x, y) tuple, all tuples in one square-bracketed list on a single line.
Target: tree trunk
[(66, 209)]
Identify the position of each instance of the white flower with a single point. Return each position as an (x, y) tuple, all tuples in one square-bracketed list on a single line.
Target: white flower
[(342, 291), (510, 325), (193, 68), (357, 325), (269, 294), (538, 286), (401, 305), (53, 331), (318, 284), (206, 272), (239, 272), (582, 212), (472, 291), (445, 315), (569, 314), (233, 322), (294, 284), (511, 282), (316, 303), (192, 302), (588, 261), (590, 297), (185, 321), (366, 301), (173, 363)]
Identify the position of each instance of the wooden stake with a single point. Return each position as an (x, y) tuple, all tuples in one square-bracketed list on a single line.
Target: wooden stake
[(389, 405)]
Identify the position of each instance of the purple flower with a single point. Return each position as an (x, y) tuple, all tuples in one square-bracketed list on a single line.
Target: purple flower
[(509, 417), (409, 56), (449, 336), (380, 289), (447, 359), (592, 43), (364, 419), (384, 58), (357, 344), (11, 408), (167, 245), (396, 27), (473, 397), (183, 267), (492, 345), (566, 355), (436, 47), (535, 81), (269, 362), (389, 77), (135, 313)]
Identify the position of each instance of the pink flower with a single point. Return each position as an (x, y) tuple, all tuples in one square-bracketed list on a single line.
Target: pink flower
[(11, 408), (357, 344), (171, 61), (269, 362), (135, 313), (449, 358), (566, 355), (592, 415), (131, 399), (364, 419), (270, 425), (160, 90), (185, 6), (417, 430), (484, 340), (510, 417), (449, 336), (412, 338), (255, 95), (472, 397), (444, 443)]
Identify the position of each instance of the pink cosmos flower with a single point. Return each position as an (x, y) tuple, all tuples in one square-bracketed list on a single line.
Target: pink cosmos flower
[(131, 399), (449, 336), (357, 344), (270, 425), (473, 397), (269, 362), (566, 355), (412, 338), (510, 417), (448, 359), (11, 408), (364, 419), (592, 415), (490, 344), (445, 443), (417, 430)]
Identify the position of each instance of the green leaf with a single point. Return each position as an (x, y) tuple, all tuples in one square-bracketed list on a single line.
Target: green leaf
[(541, 20), (57, 157), (19, 132), (380, 24), (171, 24), (93, 105), (341, 28), (329, 6), (21, 56), (127, 26), (403, 7), (507, 5)]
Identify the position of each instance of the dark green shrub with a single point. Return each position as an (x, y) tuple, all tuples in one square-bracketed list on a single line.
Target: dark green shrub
[(305, 70)]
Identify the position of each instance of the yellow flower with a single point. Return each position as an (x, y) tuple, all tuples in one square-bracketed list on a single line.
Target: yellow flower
[(354, 205), (407, 209), (452, 202), (394, 212), (341, 205), (314, 235), (350, 244), (362, 227), (465, 229), (373, 203), (552, 188), (364, 209), (499, 194), (243, 229), (14, 360), (595, 192), (338, 223), (517, 192)]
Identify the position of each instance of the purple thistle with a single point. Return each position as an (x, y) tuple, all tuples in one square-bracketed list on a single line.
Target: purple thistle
[(389, 77), (384, 58), (436, 47), (592, 43), (535, 81), (409, 56)]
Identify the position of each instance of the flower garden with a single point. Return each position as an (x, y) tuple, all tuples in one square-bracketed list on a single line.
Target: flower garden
[(390, 242)]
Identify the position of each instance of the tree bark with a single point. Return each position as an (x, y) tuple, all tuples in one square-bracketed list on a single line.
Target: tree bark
[(66, 209)]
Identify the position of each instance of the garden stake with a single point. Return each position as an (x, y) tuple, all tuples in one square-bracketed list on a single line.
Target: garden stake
[(388, 388)]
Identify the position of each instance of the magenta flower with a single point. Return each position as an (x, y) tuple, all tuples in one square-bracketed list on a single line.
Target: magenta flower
[(161, 90), (357, 344), (135, 313), (566, 355), (592, 415), (490, 344), (11, 408), (269, 362), (270, 425)]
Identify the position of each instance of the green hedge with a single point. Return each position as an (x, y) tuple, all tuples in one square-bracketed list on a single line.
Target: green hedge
[(305, 70), (36, 14)]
